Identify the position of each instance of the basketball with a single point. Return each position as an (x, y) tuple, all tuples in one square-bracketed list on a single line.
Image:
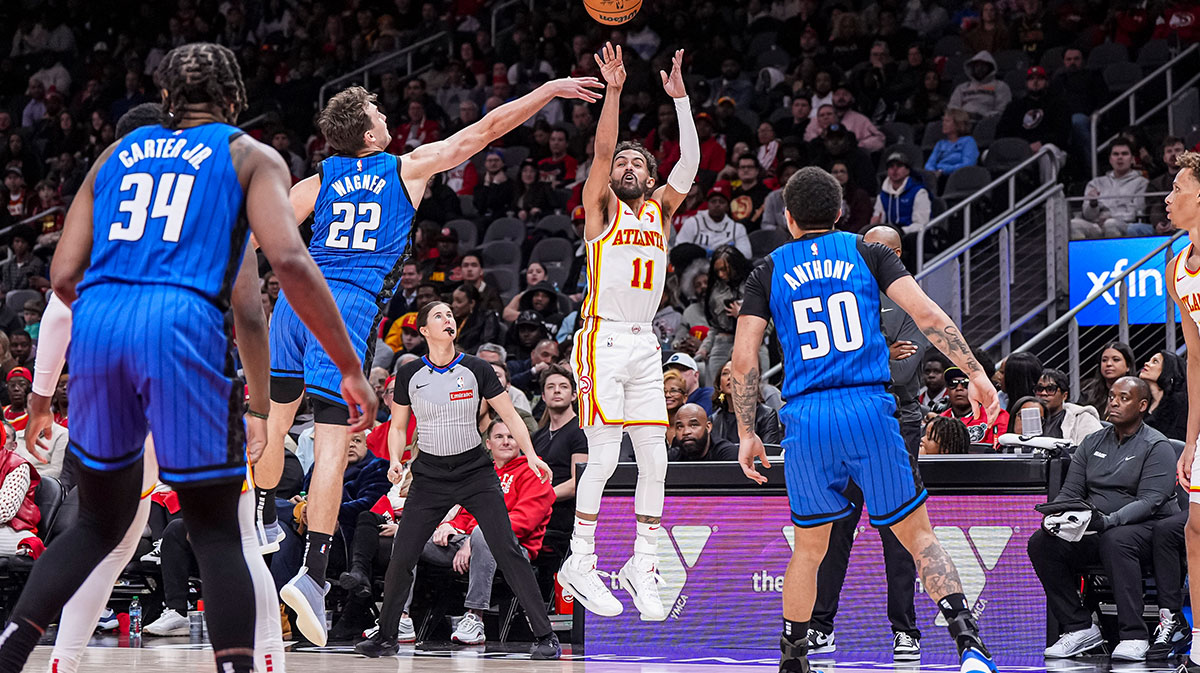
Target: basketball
[(613, 12)]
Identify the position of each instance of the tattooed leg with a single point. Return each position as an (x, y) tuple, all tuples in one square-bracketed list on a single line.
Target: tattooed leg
[(934, 566)]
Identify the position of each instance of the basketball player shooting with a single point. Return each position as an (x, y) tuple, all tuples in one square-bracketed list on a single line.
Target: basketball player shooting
[(618, 363), (1183, 209), (822, 290)]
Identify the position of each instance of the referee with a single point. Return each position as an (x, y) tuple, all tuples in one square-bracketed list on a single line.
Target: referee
[(448, 392)]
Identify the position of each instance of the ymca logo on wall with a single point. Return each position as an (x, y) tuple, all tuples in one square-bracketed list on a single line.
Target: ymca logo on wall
[(678, 550)]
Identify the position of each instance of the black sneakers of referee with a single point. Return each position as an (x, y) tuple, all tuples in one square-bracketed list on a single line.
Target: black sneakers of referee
[(376, 647), (546, 647)]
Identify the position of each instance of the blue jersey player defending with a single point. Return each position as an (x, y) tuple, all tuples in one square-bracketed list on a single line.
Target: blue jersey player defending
[(362, 201), (148, 257), (822, 290)]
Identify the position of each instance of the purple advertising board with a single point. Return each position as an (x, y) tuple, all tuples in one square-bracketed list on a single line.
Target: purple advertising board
[(722, 560)]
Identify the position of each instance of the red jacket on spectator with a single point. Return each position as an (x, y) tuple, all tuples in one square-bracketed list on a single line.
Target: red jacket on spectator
[(528, 501), (712, 155), (975, 426), (463, 178), (427, 132), (28, 514), (377, 439)]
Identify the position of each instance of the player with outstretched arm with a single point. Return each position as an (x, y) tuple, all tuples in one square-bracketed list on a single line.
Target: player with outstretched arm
[(823, 292)]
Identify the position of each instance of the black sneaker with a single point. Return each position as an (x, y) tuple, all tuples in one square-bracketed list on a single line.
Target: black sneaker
[(1172, 637), (794, 657), (355, 582), (546, 647), (1187, 666), (377, 647)]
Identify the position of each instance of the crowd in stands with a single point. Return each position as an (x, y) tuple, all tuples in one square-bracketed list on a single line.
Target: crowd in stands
[(899, 101)]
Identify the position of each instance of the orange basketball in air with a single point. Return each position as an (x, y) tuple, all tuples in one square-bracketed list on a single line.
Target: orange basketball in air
[(612, 12)]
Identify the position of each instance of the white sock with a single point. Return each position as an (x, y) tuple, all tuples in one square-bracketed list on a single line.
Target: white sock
[(1194, 655), (646, 543), (583, 540)]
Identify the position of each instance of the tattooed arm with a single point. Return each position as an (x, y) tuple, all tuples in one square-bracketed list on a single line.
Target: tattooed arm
[(945, 336), (747, 338)]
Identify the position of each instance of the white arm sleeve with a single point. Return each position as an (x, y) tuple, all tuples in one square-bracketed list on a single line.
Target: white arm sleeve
[(684, 173), (53, 337)]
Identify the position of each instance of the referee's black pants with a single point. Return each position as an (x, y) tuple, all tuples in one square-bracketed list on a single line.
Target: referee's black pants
[(901, 571), (439, 483)]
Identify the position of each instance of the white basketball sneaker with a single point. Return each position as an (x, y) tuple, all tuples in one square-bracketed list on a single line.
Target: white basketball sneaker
[(640, 578), (579, 576)]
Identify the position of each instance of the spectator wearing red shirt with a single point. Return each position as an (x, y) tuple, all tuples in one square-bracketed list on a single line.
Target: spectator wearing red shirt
[(1180, 20), (712, 152), (960, 408), (415, 132), (19, 512), (559, 168)]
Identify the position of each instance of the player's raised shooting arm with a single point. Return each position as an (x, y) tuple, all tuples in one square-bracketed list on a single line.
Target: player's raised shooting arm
[(423, 162), (597, 188), (265, 181), (74, 252), (679, 182), (304, 197), (250, 324)]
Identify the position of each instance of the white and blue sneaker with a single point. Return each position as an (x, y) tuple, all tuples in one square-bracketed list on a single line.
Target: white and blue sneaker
[(307, 599), (269, 537), (108, 620), (975, 660)]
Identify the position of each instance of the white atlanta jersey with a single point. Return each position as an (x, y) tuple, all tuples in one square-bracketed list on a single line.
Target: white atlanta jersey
[(1187, 283), (627, 266)]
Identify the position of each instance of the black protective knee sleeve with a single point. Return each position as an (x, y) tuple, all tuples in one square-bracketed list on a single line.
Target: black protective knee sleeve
[(210, 513)]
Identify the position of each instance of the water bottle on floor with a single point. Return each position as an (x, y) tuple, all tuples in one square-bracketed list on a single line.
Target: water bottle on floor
[(135, 620)]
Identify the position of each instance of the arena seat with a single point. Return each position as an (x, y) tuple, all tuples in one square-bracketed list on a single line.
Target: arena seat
[(467, 233), (501, 254), (505, 229), (1106, 54), (556, 224)]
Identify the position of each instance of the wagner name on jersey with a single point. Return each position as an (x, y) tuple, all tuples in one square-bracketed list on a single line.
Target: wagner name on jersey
[(627, 266)]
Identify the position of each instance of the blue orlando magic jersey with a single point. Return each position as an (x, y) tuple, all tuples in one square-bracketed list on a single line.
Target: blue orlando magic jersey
[(822, 290), (167, 211), (361, 221)]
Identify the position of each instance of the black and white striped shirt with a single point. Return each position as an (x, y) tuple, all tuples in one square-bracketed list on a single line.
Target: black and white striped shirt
[(445, 401)]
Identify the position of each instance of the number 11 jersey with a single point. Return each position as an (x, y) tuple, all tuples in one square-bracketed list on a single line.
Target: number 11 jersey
[(823, 292), (361, 220), (627, 266)]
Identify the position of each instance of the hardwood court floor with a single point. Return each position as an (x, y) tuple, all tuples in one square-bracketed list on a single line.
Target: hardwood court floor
[(186, 658)]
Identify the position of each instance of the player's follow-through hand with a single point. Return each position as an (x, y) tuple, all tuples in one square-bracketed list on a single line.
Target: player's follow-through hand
[(612, 67), (750, 448), (578, 88), (983, 395), (360, 400), (673, 84)]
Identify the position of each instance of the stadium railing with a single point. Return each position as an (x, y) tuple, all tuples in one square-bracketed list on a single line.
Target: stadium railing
[(1164, 79), (1060, 344)]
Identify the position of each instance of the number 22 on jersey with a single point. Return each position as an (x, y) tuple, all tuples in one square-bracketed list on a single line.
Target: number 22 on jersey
[(844, 324), (638, 282)]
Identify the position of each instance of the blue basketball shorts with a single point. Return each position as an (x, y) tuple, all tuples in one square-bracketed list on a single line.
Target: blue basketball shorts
[(833, 436), (155, 357), (297, 356)]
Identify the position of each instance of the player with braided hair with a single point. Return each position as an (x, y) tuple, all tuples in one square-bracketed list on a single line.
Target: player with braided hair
[(157, 227)]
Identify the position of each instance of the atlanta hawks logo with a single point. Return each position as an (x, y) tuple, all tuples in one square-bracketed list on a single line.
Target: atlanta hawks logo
[(585, 384)]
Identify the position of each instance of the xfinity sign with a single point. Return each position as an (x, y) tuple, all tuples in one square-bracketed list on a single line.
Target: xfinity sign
[(1094, 263)]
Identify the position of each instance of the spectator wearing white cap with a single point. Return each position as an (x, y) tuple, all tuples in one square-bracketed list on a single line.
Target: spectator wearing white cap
[(687, 368)]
